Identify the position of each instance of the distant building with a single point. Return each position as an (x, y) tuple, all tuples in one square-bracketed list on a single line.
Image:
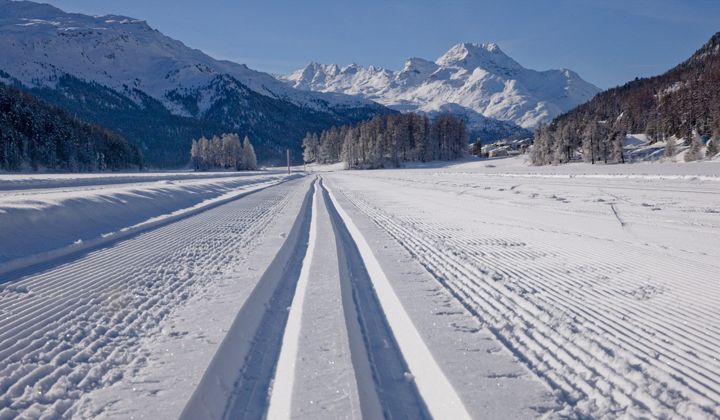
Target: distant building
[(506, 147), (498, 152)]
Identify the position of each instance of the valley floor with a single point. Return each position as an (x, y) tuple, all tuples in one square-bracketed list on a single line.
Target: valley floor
[(484, 289)]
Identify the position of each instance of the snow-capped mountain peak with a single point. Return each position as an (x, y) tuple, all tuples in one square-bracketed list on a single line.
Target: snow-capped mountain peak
[(480, 78), (471, 56), (41, 42), (415, 70)]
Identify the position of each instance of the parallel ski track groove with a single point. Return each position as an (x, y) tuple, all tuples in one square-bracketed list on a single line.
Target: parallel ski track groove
[(398, 397), (84, 334), (675, 370)]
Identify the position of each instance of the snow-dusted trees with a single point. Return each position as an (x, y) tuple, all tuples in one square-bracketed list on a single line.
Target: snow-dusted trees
[(448, 137), (420, 133), (695, 151), (231, 151), (541, 152), (597, 141), (616, 147), (224, 152), (713, 147), (664, 107), (351, 152), (388, 141), (195, 154), (311, 146), (563, 149), (249, 160), (669, 146)]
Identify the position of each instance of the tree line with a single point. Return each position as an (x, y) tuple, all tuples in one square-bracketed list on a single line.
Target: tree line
[(37, 136), (223, 152), (681, 103), (388, 141)]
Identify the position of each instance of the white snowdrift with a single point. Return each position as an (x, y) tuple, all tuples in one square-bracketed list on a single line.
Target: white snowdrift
[(520, 166), (42, 224), (13, 181)]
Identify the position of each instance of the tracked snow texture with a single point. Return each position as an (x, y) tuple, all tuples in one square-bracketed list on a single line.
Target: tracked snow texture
[(73, 328), (605, 288), (79, 213), (324, 383), (571, 291)]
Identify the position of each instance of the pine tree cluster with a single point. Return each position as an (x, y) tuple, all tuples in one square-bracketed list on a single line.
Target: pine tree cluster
[(388, 141), (38, 136), (223, 152)]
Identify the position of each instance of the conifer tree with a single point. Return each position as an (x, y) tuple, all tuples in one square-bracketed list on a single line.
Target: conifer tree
[(387, 141), (204, 153), (231, 151), (310, 147), (476, 148), (195, 155), (249, 160), (713, 147), (695, 151), (669, 146), (616, 151)]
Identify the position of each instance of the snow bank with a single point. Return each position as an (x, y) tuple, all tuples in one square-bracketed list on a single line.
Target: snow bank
[(520, 166), (11, 182), (41, 224)]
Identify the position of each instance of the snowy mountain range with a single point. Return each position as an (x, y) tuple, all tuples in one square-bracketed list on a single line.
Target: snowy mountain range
[(39, 42), (476, 79), (69, 58)]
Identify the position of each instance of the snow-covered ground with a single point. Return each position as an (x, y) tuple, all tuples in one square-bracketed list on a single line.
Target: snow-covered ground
[(46, 218), (481, 289), (602, 280), (12, 181)]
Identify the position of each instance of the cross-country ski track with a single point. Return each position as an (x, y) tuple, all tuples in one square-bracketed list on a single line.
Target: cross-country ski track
[(419, 293)]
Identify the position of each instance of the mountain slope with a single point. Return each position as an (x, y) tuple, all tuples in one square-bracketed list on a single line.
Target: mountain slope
[(683, 99), (116, 58), (479, 78), (35, 135)]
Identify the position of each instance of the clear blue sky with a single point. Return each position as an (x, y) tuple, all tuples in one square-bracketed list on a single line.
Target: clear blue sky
[(608, 42)]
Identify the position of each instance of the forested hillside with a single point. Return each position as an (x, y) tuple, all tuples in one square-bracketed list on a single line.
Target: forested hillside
[(683, 102), (388, 141), (165, 138), (37, 136)]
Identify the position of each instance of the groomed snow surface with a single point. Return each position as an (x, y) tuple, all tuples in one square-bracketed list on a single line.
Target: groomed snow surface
[(482, 289)]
